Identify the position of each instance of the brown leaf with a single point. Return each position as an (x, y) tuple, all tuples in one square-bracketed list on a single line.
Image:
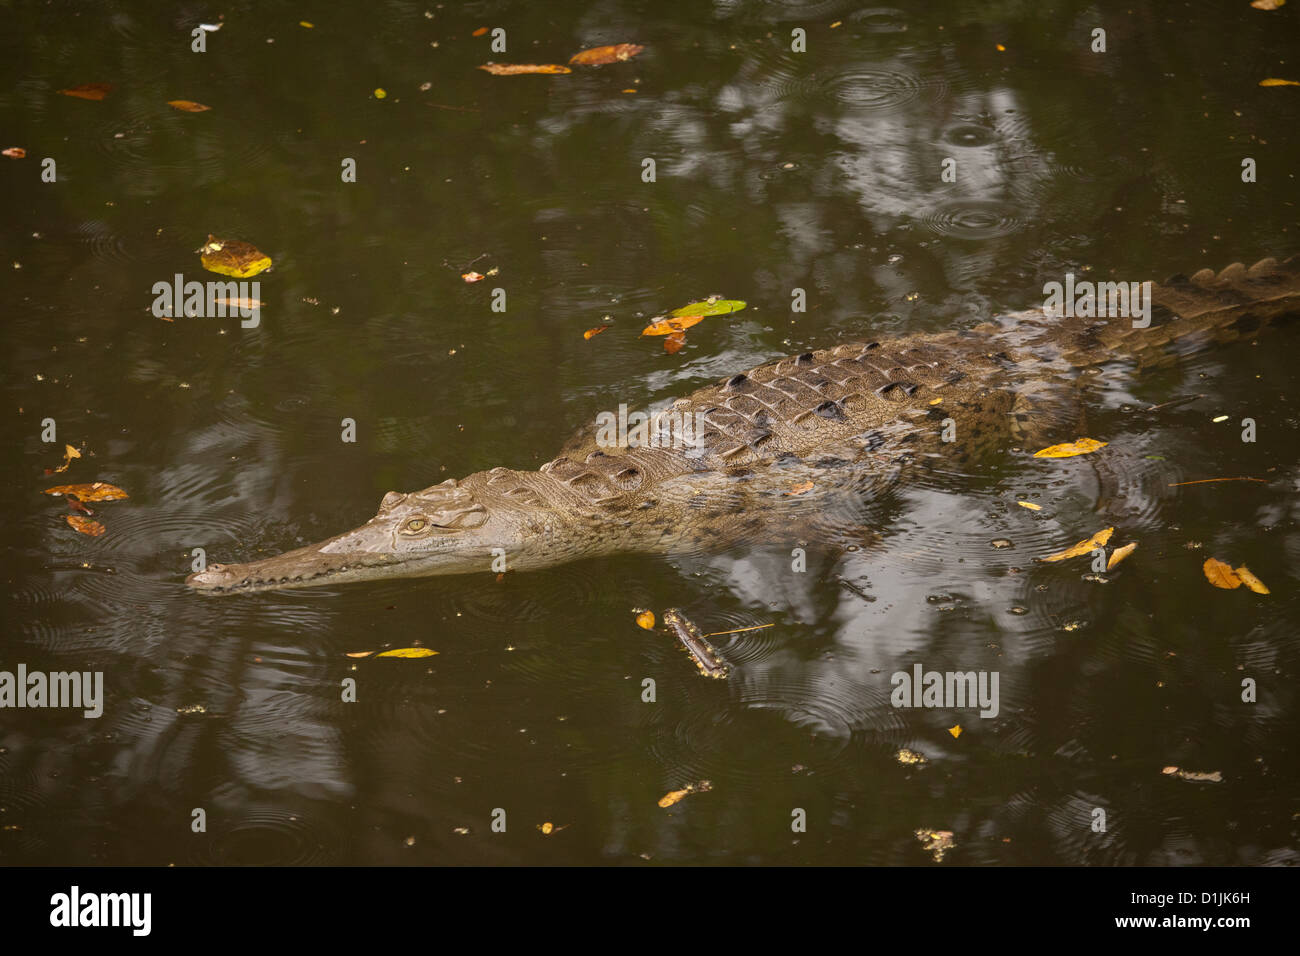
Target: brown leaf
[(1119, 554), (520, 69), (603, 55), (69, 453), (672, 796), (1267, 4), (96, 491), (77, 506), (802, 488), (1083, 547), (674, 343), (669, 326), (1220, 575), (14, 152), (1252, 582), (590, 333), (188, 106), (85, 525), (89, 91), (479, 32)]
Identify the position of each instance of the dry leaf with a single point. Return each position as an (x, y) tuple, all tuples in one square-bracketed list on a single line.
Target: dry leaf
[(359, 653), (473, 276), (910, 757), (672, 796), (1080, 446), (188, 106), (669, 326), (520, 69), (1030, 505), (603, 55), (591, 333), (547, 828), (407, 652), (674, 343), (802, 488), (1083, 547), (1252, 582), (935, 842), (955, 730), (14, 152), (231, 257), (1275, 82), (1267, 4), (646, 619), (479, 32), (89, 91), (1119, 554), (1220, 575), (85, 525), (69, 453), (96, 491)]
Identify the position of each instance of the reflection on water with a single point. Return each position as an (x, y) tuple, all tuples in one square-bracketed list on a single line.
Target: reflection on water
[(821, 171)]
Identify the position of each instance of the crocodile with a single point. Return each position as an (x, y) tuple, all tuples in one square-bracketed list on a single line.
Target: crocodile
[(785, 448)]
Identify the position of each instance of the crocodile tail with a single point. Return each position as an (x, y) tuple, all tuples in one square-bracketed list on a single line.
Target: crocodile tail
[(1189, 313)]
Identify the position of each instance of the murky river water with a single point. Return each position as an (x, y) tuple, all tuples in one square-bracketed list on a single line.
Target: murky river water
[(775, 170)]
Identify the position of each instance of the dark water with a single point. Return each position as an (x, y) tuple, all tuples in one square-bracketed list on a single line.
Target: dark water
[(775, 170)]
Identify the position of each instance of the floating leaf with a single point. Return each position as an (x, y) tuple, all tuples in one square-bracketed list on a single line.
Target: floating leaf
[(479, 32), (1271, 81), (672, 796), (14, 152), (1083, 547), (230, 257), (802, 488), (1267, 4), (1119, 554), (935, 842), (84, 525), (359, 653), (380, 92), (713, 305), (671, 326), (1214, 776), (89, 91), (521, 69), (69, 453), (407, 652), (547, 828), (646, 619), (674, 343), (189, 106), (1030, 505), (1080, 446), (96, 491), (473, 276), (1252, 582), (591, 333), (955, 730), (1220, 574), (603, 55), (306, 25), (910, 757)]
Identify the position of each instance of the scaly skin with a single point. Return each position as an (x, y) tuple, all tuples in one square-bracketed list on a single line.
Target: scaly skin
[(849, 419)]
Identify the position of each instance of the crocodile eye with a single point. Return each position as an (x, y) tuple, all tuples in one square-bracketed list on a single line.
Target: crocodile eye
[(414, 526)]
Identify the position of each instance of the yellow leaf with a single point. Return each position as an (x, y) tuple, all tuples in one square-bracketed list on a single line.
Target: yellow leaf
[(1220, 575), (520, 69), (97, 491), (672, 796), (69, 453), (231, 257), (1083, 547), (1080, 446), (188, 106), (380, 93), (1267, 4), (359, 653), (646, 619), (548, 827), (1030, 505), (304, 24), (1119, 554), (1275, 82), (1252, 582), (955, 730), (407, 652), (592, 333), (669, 326)]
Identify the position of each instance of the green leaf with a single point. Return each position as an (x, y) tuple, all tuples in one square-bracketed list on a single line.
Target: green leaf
[(710, 306)]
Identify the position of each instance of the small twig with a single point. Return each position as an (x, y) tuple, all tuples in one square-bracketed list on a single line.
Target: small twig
[(458, 109), (756, 627), (1206, 481), (1175, 401)]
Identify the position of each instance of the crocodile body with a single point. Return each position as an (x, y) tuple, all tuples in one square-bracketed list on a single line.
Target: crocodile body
[(782, 445)]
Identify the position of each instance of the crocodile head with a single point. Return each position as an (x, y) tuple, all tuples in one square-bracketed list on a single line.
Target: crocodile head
[(440, 530)]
